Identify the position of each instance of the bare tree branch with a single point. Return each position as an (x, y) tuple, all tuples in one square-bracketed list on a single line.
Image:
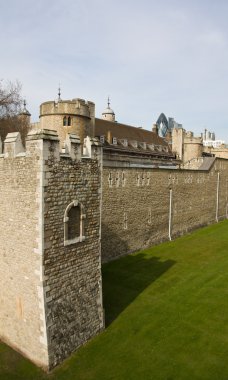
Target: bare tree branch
[(10, 108), (10, 99)]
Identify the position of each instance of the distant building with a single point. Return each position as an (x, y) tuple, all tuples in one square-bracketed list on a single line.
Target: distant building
[(165, 126), (209, 139), (120, 141)]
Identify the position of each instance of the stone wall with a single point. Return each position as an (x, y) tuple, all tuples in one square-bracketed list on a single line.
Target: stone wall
[(193, 148), (51, 299), (21, 299), (221, 151), (73, 272), (178, 142), (185, 145), (142, 207)]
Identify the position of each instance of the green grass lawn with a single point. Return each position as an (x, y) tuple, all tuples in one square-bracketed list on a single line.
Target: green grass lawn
[(167, 317)]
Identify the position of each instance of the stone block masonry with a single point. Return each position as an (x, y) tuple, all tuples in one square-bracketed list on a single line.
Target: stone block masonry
[(145, 206), (53, 223), (51, 298), (21, 307)]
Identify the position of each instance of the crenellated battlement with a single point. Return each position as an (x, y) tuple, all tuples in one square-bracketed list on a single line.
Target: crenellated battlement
[(48, 143), (75, 116), (74, 107)]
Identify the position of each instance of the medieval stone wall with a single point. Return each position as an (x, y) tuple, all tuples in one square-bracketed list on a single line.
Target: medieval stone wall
[(142, 207), (193, 148), (51, 298), (21, 300), (73, 272), (221, 151)]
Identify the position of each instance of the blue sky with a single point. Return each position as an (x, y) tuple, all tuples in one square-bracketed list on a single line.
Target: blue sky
[(149, 56)]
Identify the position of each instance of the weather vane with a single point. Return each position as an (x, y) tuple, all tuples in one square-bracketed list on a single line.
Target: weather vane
[(59, 93)]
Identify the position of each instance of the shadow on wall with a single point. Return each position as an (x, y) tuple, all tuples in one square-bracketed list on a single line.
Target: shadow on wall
[(126, 278), (112, 244)]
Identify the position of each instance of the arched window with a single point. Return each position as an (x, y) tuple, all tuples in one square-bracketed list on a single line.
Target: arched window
[(74, 223), (65, 121), (69, 121)]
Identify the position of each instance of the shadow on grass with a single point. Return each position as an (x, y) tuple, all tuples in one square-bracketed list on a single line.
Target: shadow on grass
[(13, 366), (126, 278)]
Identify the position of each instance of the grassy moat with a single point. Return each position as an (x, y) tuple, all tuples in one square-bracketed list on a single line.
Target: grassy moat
[(166, 317)]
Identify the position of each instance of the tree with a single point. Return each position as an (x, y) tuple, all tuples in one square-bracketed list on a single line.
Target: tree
[(10, 99), (12, 118)]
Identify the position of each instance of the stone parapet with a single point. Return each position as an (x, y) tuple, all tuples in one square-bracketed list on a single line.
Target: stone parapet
[(92, 147), (71, 148), (77, 106), (13, 144)]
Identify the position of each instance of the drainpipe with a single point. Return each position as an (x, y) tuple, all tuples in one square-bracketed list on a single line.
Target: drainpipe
[(170, 213), (217, 198)]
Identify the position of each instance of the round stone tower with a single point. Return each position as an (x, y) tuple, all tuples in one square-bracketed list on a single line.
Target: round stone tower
[(68, 116), (108, 113)]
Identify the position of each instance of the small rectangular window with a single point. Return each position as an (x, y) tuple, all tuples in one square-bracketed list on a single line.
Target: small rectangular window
[(110, 180), (123, 179), (142, 145), (117, 179), (125, 221), (138, 179), (114, 141), (102, 139), (134, 143), (149, 216), (148, 179)]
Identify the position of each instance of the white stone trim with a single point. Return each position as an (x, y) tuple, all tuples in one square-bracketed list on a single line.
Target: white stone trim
[(40, 252), (81, 237)]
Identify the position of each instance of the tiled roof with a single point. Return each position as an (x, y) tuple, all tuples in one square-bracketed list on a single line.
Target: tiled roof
[(155, 145), (207, 163), (123, 131)]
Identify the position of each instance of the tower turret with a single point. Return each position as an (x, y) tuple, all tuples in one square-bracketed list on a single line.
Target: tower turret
[(25, 115), (75, 116), (108, 113)]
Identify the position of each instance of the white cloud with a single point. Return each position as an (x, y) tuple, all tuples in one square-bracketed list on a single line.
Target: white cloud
[(149, 56)]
